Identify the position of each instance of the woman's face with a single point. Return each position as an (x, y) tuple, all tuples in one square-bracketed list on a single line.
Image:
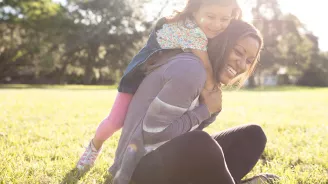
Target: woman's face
[(213, 18), (240, 59)]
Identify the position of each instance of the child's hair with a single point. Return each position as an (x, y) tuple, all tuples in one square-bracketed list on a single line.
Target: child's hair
[(193, 6), (220, 47)]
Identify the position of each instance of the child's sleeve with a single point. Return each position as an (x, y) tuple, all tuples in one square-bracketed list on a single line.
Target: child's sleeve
[(194, 39), (177, 36)]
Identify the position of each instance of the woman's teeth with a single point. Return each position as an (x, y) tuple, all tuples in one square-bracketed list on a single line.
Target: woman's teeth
[(231, 70)]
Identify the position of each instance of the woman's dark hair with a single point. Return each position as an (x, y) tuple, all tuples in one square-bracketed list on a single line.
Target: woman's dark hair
[(220, 47)]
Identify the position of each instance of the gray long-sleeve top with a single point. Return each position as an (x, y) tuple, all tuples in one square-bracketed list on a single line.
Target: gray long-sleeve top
[(164, 106)]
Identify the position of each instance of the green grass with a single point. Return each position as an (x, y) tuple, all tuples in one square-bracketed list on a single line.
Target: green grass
[(43, 131)]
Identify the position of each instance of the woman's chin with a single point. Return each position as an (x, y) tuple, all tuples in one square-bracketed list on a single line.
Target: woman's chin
[(225, 80)]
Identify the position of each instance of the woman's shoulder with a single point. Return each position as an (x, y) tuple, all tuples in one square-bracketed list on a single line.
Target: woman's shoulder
[(187, 56), (186, 65)]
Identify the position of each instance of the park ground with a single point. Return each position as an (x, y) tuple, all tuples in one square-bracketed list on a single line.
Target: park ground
[(44, 129)]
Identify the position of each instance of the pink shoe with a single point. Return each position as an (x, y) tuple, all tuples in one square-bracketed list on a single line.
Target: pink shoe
[(88, 158)]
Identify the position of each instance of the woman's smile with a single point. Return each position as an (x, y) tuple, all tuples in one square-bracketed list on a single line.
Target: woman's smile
[(231, 71)]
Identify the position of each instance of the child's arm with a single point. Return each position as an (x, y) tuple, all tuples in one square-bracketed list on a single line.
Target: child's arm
[(175, 36), (210, 81)]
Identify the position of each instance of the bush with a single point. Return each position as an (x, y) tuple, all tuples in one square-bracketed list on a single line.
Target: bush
[(313, 76)]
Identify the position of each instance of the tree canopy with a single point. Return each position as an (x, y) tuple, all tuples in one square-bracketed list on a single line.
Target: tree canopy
[(92, 41)]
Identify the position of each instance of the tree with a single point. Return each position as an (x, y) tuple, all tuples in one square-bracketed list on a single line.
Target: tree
[(286, 43), (27, 36), (84, 41), (105, 35)]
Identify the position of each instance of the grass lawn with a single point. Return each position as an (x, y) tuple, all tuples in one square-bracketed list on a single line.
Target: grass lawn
[(43, 131)]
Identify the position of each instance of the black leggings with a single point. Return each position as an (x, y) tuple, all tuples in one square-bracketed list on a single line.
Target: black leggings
[(198, 158)]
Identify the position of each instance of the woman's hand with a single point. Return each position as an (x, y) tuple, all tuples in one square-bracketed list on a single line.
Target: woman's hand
[(212, 99)]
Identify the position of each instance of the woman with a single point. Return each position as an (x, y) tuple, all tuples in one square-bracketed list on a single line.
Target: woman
[(157, 144)]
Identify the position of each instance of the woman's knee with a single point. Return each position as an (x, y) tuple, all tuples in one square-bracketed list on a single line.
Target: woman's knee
[(203, 142), (200, 137), (256, 133)]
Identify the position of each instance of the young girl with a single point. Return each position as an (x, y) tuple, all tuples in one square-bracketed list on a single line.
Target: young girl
[(188, 30)]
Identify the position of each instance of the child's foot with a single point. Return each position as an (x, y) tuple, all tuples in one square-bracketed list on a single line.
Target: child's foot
[(88, 158)]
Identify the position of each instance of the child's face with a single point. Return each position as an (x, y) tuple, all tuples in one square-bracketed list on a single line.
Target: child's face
[(213, 18)]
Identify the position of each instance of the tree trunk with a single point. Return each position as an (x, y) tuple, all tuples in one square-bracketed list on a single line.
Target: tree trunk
[(251, 82), (87, 78), (88, 75)]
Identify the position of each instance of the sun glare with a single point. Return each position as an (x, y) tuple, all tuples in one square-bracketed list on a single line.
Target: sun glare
[(309, 13)]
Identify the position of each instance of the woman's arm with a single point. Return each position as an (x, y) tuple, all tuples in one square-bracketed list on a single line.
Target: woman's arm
[(207, 122), (168, 115)]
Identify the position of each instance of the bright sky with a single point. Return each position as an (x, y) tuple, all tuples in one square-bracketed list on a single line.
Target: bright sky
[(310, 12)]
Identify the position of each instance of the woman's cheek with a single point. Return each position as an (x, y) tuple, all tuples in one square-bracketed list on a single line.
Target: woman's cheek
[(233, 56)]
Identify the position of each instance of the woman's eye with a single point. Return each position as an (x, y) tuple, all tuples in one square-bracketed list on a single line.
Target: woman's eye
[(238, 52)]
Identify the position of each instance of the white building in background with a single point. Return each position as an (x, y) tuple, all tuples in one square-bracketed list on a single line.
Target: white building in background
[(270, 80), (281, 77)]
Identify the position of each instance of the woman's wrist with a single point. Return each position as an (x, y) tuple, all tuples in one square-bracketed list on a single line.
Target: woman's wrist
[(207, 109)]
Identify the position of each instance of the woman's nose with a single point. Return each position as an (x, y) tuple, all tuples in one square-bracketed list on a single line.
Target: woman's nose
[(242, 66)]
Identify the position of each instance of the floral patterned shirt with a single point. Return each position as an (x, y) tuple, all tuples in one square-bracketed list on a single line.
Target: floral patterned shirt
[(183, 34)]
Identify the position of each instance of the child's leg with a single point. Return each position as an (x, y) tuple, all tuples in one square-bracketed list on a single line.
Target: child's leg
[(114, 121)]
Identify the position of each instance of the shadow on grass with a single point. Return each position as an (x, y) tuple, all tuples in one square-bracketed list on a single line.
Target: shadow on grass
[(107, 177), (73, 176), (108, 180)]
